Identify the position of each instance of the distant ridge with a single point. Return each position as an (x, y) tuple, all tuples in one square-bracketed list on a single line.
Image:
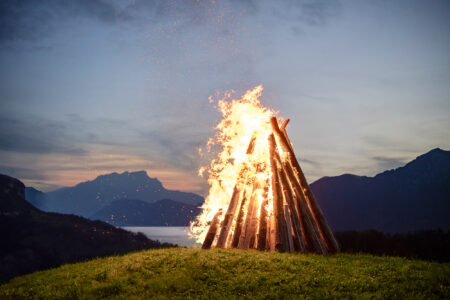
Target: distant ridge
[(413, 197), (88, 197)]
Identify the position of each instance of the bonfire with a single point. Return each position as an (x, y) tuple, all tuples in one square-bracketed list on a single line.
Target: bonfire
[(259, 197)]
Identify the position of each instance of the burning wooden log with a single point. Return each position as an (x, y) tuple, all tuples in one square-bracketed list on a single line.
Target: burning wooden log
[(262, 232), (283, 130), (251, 145), (226, 224), (309, 226), (250, 222), (272, 232), (289, 228), (309, 234), (280, 231), (293, 212), (268, 233), (285, 123), (239, 222), (209, 239), (287, 220), (323, 227), (250, 238), (229, 216)]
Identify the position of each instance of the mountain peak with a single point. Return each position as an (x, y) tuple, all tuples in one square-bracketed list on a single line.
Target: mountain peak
[(90, 196), (433, 159), (139, 175), (436, 151), (136, 173)]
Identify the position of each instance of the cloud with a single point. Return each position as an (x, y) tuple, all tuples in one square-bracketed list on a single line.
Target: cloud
[(175, 144), (388, 163), (37, 136), (378, 141), (30, 20), (308, 161), (311, 12), (170, 144), (23, 173), (33, 134), (41, 185)]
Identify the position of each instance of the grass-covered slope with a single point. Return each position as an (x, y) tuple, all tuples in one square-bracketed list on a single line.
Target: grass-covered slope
[(195, 273)]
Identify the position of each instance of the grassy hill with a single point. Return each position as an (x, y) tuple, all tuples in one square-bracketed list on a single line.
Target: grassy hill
[(32, 240), (194, 273)]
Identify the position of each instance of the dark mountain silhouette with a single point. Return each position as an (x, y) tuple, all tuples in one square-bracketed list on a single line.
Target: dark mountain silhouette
[(33, 240), (127, 212), (12, 197), (88, 197), (413, 197)]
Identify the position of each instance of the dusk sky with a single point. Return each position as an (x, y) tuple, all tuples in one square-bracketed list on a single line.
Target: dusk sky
[(93, 87)]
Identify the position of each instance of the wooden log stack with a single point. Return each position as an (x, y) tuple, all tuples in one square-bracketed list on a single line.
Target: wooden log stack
[(294, 224)]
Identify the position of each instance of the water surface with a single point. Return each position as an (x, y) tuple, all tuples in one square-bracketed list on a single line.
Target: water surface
[(174, 235)]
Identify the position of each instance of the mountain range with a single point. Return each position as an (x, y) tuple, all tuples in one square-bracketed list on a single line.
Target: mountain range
[(415, 196), (88, 199)]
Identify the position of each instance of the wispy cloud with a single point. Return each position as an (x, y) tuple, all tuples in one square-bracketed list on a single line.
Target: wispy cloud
[(388, 163), (315, 13), (31, 20), (175, 143), (37, 136), (23, 173), (309, 161)]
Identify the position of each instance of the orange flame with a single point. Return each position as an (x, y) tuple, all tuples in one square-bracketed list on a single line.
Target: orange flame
[(244, 120)]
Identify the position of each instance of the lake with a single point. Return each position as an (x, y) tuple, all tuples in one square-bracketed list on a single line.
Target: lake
[(174, 235)]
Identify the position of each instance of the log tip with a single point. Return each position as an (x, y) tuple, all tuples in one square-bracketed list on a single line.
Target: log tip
[(285, 123), (274, 121)]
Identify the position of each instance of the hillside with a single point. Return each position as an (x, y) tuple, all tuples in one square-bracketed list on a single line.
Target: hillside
[(128, 212), (33, 240), (226, 274), (413, 197), (88, 197)]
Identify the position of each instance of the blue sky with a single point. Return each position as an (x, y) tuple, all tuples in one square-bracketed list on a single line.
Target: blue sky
[(92, 87)]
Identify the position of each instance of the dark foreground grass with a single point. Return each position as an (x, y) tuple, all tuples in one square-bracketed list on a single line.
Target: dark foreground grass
[(194, 273)]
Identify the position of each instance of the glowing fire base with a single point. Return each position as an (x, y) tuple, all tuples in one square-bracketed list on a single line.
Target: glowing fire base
[(284, 217)]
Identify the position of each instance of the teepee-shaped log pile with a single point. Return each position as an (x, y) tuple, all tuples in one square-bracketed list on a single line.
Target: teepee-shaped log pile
[(296, 222)]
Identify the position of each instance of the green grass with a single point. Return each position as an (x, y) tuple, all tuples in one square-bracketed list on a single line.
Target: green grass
[(195, 273)]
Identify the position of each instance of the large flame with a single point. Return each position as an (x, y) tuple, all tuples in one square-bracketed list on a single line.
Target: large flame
[(244, 120)]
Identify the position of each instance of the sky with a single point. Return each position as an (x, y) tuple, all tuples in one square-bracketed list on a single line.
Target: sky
[(92, 87)]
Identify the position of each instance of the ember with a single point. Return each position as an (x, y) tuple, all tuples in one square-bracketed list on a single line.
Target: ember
[(259, 197)]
